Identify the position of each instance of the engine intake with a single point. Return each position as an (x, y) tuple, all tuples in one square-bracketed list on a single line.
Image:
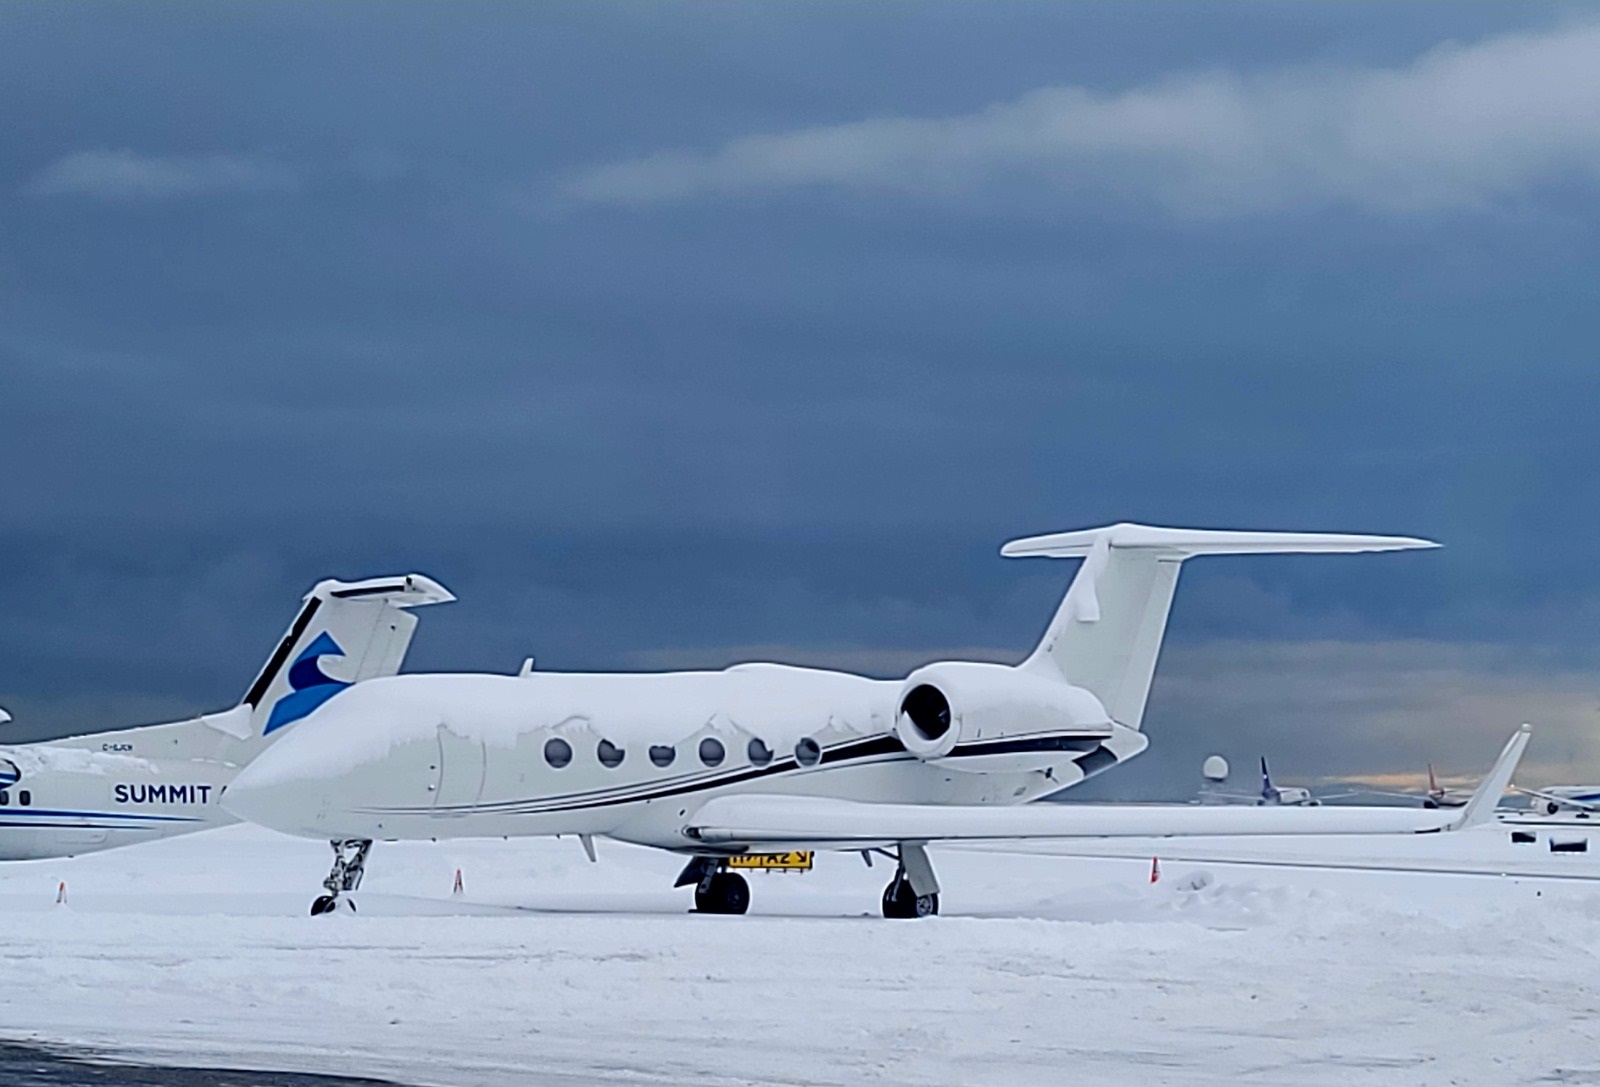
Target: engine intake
[(954, 702), (928, 711)]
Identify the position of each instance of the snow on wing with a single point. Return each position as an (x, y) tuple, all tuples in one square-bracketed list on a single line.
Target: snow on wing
[(789, 821)]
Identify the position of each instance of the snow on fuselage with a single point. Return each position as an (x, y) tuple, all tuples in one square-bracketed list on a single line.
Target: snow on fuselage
[(61, 800), (633, 755)]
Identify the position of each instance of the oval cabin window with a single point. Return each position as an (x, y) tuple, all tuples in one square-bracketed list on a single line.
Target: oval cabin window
[(760, 754), (609, 754), (663, 754), (557, 752), (807, 752), (712, 752)]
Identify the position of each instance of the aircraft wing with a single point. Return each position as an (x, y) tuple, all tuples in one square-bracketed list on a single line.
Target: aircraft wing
[(1555, 798), (764, 821)]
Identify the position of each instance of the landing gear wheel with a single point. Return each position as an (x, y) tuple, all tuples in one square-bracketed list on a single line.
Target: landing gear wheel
[(349, 865), (722, 892), (901, 903)]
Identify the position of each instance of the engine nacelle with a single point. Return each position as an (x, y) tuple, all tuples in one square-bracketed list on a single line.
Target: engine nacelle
[(955, 703)]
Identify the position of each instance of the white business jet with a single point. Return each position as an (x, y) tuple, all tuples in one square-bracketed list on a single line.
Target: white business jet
[(761, 758), (101, 790)]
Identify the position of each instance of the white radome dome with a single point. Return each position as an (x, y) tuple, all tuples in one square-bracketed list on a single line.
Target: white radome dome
[(1215, 768)]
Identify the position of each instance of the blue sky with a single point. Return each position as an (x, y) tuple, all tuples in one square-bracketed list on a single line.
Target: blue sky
[(678, 334)]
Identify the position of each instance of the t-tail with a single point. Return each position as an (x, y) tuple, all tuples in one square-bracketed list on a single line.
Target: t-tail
[(345, 632), (1108, 631), (1267, 791)]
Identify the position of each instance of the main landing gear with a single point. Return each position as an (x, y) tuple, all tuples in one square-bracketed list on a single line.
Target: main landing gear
[(914, 890), (716, 890), (349, 865)]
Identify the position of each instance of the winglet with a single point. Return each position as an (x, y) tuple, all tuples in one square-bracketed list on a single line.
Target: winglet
[(1480, 809)]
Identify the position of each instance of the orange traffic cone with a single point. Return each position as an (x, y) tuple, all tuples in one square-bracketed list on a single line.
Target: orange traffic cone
[(1155, 869), (61, 893)]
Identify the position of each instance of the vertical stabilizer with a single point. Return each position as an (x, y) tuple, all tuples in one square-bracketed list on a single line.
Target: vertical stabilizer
[(1107, 633), (345, 632)]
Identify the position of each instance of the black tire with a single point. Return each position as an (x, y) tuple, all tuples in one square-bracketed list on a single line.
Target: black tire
[(901, 903), (725, 892), (323, 904)]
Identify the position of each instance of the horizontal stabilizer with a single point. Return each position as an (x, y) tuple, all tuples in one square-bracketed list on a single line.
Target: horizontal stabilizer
[(1183, 542), (403, 590), (1108, 630)]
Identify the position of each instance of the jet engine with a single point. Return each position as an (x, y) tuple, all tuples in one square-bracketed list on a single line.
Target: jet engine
[(961, 702)]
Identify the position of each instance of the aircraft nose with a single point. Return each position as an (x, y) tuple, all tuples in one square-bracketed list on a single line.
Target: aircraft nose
[(281, 790)]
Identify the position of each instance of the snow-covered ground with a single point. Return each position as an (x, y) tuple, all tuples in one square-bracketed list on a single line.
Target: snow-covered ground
[(1044, 969)]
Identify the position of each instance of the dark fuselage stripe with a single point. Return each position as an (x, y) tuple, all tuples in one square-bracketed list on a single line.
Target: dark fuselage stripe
[(49, 813), (876, 748)]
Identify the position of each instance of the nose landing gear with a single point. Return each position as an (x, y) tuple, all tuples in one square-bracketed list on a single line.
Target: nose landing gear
[(349, 865)]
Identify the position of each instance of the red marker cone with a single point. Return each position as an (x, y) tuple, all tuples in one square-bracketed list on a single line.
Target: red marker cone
[(458, 888), (61, 893), (1155, 869)]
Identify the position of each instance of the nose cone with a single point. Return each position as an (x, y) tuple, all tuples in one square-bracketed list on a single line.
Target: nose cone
[(284, 789), (333, 774)]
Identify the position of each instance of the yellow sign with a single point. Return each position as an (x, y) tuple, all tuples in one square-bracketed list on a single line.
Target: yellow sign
[(773, 862)]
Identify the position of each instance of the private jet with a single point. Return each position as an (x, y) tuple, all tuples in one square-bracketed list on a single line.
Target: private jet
[(102, 790), (761, 758)]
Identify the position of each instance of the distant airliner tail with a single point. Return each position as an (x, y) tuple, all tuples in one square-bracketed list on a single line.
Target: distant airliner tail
[(1108, 631)]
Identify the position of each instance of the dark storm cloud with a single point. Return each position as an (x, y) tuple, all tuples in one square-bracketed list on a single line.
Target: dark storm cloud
[(289, 291)]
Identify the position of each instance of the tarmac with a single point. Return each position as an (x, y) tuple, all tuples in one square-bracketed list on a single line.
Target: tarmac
[(46, 1066)]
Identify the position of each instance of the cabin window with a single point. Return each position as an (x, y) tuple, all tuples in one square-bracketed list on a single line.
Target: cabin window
[(807, 752), (557, 752), (712, 752), (1522, 837), (25, 798), (609, 754), (760, 754), (5, 799), (1570, 845), (663, 754)]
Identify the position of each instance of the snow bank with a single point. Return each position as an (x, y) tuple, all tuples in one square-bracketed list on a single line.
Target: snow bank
[(1045, 970)]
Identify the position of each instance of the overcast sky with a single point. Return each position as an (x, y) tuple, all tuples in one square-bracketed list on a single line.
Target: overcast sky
[(675, 334)]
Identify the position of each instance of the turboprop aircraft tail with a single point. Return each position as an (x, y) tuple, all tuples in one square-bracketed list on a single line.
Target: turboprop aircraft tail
[(1107, 633), (345, 632)]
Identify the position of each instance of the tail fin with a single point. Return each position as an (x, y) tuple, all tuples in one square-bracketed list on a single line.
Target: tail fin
[(1107, 633), (1266, 780), (360, 629), (346, 632), (1433, 784)]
